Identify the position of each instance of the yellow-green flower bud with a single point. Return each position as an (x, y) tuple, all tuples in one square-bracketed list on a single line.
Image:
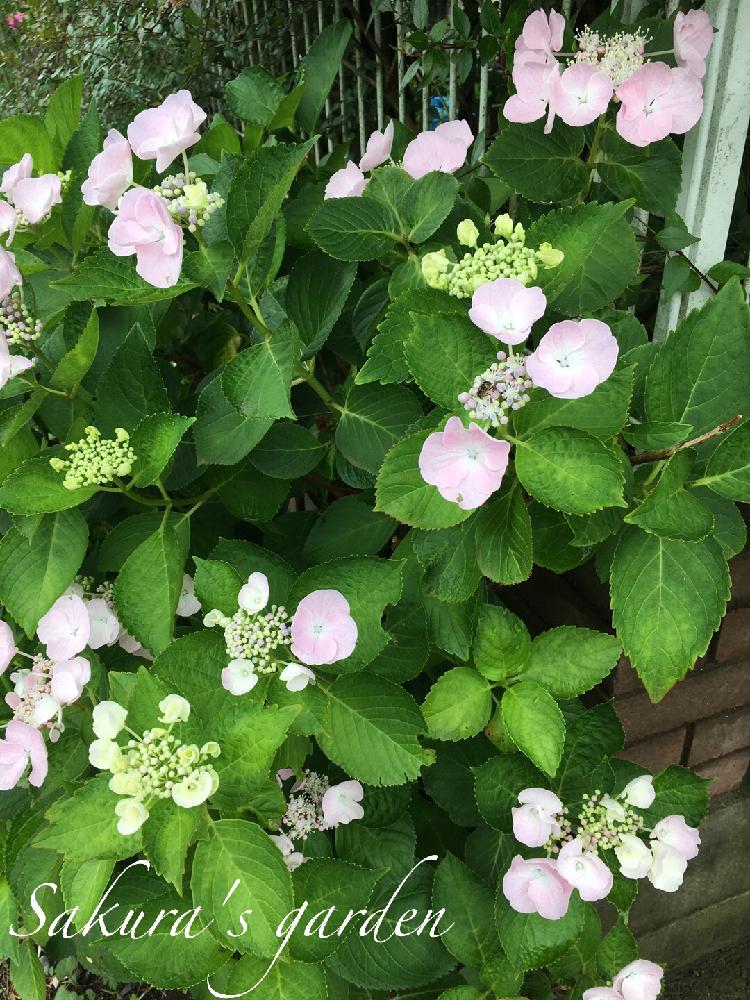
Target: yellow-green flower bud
[(519, 233), (435, 269), (504, 226), (467, 233), (548, 256)]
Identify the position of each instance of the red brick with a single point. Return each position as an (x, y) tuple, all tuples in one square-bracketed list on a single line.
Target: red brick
[(728, 772), (626, 679), (699, 696), (739, 568), (721, 735), (657, 752), (734, 636)]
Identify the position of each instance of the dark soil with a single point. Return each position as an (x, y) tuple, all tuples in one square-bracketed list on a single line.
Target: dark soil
[(725, 975)]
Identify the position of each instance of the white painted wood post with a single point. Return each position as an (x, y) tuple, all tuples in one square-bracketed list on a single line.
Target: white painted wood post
[(712, 154)]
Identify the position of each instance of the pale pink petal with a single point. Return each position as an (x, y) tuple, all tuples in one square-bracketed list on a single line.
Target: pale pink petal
[(378, 149), (349, 182), (164, 132), (640, 980)]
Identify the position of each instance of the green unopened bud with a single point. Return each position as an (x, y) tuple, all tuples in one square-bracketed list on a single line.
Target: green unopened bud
[(504, 226), (519, 233), (467, 233), (435, 269), (548, 256)]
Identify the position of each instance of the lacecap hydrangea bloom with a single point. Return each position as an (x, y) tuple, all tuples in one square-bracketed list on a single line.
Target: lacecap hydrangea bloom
[(94, 460)]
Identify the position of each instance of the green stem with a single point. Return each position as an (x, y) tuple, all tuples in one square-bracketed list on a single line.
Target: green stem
[(593, 156), (253, 317), (33, 384), (317, 387)]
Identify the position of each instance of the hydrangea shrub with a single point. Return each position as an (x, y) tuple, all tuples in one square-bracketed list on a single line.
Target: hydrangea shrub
[(275, 438)]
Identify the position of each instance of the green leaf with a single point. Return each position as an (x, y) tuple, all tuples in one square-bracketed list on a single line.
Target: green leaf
[(240, 851), (617, 950), (254, 96), (402, 493), (251, 496), (427, 204), (535, 724), (217, 585), (257, 192), (372, 730), (674, 234), (449, 558), (502, 644), (154, 442), (540, 167), (498, 783), (529, 940), (651, 174), (257, 380), (473, 938), (569, 470), (701, 375), (730, 530), (246, 558), (679, 790), (83, 884), (602, 413), (148, 588), (27, 134), (130, 387), (64, 111), (27, 974), (568, 661), (76, 362), (670, 510), (347, 527), (445, 354), (316, 293), (728, 469), (285, 980), (36, 568), (373, 419), (321, 65), (601, 257), (101, 275), (668, 598), (36, 488), (191, 666), (287, 451), (222, 435), (502, 529), (167, 835), (590, 740), (656, 434), (458, 705), (83, 826), (210, 266), (127, 535), (354, 228)]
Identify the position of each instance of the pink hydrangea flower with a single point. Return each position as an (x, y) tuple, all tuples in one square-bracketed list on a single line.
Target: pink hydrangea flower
[(378, 149), (7, 221), (534, 81), (674, 832), (104, 627), (341, 803), (658, 100), (640, 980), (239, 677), (541, 33), (10, 276), (11, 364), (8, 648), (65, 629), (634, 857), (296, 677), (22, 745), (349, 182), (667, 868), (693, 37), (36, 196), (535, 820), (110, 173), (585, 871), (640, 791), (18, 172), (534, 886), (188, 604), (144, 227), (14, 21), (253, 596), (444, 150), (601, 993), (69, 677), (131, 645), (506, 309), (464, 463), (163, 133), (323, 630), (580, 94), (573, 358)]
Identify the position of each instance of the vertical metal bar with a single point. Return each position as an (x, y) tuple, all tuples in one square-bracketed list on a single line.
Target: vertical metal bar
[(378, 24), (400, 58), (425, 108), (360, 91), (293, 34), (329, 137), (342, 83), (452, 73), (256, 29), (306, 29)]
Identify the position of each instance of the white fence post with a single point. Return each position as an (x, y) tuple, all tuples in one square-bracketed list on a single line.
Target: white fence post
[(712, 154)]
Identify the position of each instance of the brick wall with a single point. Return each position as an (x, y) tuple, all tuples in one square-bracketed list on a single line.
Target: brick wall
[(704, 722)]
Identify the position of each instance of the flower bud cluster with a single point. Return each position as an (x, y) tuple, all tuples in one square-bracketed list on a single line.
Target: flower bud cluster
[(304, 813), (619, 56), (95, 460), (256, 637), (16, 322), (32, 701), (188, 200), (603, 821), (506, 257), (503, 386)]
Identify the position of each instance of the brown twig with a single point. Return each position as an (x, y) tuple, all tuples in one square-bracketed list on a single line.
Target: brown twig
[(658, 456)]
